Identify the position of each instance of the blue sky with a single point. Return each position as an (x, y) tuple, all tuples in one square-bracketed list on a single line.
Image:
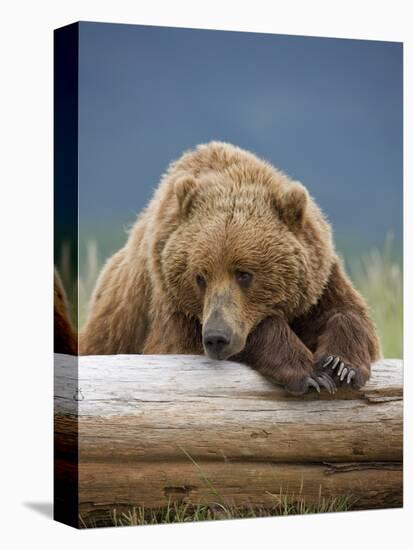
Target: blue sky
[(326, 111)]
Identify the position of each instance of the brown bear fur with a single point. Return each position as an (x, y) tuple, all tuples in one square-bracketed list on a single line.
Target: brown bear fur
[(229, 245), (65, 336)]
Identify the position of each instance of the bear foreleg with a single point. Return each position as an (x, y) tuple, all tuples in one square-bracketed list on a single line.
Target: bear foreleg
[(345, 338), (275, 351), (345, 349)]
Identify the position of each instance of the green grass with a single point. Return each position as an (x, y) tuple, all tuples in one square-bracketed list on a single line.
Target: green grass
[(186, 512), (379, 278)]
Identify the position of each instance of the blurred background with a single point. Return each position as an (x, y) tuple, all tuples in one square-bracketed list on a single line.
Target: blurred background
[(328, 112)]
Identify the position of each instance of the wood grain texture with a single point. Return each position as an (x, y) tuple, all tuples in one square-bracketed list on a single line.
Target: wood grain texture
[(139, 421)]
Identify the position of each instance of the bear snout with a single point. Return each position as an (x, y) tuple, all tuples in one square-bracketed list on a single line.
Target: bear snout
[(223, 335), (217, 342)]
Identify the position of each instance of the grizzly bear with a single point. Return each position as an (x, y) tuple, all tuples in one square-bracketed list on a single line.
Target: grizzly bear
[(233, 259)]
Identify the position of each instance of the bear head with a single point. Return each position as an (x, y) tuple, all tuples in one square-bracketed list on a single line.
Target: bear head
[(237, 245)]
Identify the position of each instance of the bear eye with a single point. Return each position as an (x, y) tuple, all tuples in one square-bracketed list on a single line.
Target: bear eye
[(200, 281), (243, 278)]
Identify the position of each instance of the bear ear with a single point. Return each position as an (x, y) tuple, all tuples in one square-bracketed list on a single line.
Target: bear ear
[(185, 191), (292, 205)]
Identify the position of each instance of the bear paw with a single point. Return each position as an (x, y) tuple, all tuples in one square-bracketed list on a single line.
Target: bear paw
[(342, 372), (315, 380)]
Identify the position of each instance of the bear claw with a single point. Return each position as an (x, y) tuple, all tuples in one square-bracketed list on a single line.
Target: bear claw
[(320, 380), (343, 371), (331, 362), (323, 379), (313, 383), (351, 375), (316, 380)]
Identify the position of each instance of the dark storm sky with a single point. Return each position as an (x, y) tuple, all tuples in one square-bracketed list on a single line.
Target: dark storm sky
[(326, 111)]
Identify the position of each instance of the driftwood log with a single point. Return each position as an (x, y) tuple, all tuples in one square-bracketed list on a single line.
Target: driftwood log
[(149, 430)]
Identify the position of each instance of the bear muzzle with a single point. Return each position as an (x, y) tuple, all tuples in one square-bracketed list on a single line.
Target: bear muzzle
[(216, 343), (223, 332), (219, 340)]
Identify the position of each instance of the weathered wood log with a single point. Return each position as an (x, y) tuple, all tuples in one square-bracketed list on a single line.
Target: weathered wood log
[(156, 429)]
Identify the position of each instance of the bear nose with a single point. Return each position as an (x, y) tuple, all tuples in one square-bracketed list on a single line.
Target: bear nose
[(215, 341)]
